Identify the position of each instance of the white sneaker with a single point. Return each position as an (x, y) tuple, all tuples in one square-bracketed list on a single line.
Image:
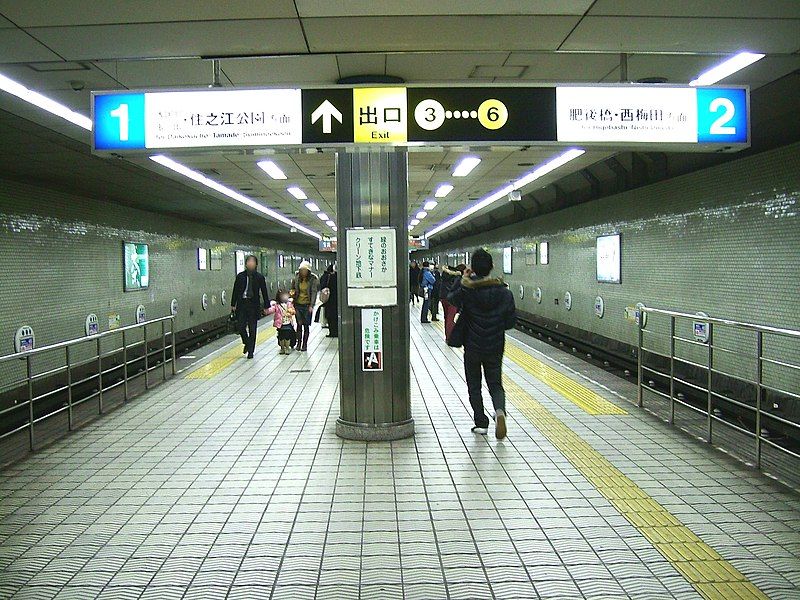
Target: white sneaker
[(480, 430), (500, 424)]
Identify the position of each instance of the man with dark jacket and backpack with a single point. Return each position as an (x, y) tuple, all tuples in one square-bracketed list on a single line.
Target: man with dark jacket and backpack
[(488, 307)]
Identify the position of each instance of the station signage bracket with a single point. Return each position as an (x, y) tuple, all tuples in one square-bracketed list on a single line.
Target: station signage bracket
[(682, 118)]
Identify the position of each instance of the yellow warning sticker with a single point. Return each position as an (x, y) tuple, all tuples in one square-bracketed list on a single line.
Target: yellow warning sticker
[(379, 115)]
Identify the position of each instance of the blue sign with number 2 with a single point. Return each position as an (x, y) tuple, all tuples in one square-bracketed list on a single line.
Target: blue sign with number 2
[(721, 115)]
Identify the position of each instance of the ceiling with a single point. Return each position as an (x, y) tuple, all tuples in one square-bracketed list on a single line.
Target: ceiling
[(67, 48)]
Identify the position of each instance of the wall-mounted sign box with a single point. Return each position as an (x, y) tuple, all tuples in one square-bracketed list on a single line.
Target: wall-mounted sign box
[(371, 266), (681, 118)]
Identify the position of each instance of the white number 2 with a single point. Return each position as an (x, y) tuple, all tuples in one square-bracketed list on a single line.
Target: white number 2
[(719, 127), (121, 112)]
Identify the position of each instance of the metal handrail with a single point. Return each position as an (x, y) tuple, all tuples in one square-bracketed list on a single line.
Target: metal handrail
[(94, 341), (706, 387)]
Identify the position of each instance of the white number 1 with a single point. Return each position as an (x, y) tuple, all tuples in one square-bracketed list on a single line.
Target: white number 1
[(121, 112), (719, 127)]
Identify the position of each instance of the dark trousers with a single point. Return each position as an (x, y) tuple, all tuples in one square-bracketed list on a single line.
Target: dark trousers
[(426, 305), (434, 306), (332, 316), (247, 315), (492, 366), (303, 318)]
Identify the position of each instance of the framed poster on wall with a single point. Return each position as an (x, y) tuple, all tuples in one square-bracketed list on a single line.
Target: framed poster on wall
[(544, 253), (136, 264), (215, 261), (507, 254), (609, 263), (202, 259), (240, 257)]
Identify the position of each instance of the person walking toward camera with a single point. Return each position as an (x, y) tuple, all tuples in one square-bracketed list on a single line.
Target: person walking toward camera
[(304, 292), (487, 305), (246, 304)]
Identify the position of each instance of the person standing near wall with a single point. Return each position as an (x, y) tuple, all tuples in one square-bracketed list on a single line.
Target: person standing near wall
[(304, 292), (246, 304), (427, 283), (332, 305), (488, 307), (436, 292), (414, 273)]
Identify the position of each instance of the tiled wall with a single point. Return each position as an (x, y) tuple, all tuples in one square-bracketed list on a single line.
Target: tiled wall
[(61, 259), (725, 241)]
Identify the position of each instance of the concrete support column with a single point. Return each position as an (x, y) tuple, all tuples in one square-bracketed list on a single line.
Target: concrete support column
[(372, 191)]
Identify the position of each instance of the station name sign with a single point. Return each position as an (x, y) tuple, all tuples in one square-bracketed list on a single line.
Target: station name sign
[(601, 115)]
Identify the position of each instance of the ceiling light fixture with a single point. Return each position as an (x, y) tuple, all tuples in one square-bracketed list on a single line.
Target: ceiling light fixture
[(334, 227), (421, 215), (167, 162), (465, 166), (414, 222), (322, 216), (297, 192), (735, 63), (271, 169), (51, 106), (430, 205), (330, 223), (538, 172), (312, 207), (443, 190)]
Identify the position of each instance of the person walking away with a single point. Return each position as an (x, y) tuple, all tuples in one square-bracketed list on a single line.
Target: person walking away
[(304, 290), (246, 304), (436, 293), (332, 305), (283, 310), (414, 273), (427, 283), (450, 278), (488, 307)]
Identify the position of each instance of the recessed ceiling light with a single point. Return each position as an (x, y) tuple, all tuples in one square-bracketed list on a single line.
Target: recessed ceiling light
[(322, 216), (330, 224), (502, 192), (51, 106), (334, 227), (414, 222), (421, 214), (735, 63), (312, 207), (430, 205), (465, 166), (271, 169), (443, 190), (233, 194), (297, 192), (410, 227)]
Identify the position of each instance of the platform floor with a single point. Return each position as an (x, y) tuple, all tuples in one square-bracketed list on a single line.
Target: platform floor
[(229, 482)]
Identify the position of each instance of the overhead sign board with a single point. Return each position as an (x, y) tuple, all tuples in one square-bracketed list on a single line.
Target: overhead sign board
[(599, 115), (327, 245)]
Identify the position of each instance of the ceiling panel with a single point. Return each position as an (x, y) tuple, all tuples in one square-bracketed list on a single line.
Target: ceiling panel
[(750, 9), (447, 66), (30, 13), (377, 34), (361, 64), (161, 73), (680, 68), (18, 46), (327, 8), (658, 34), (155, 40), (564, 66), (295, 70)]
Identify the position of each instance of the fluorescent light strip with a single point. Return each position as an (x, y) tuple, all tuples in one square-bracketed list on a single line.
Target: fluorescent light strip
[(330, 224), (271, 169), (226, 191), (37, 99), (297, 192), (322, 216), (414, 222), (465, 166), (430, 205), (312, 207), (735, 63), (421, 215), (443, 190), (538, 172)]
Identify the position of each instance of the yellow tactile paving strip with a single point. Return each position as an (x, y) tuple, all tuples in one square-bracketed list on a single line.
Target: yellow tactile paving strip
[(590, 401), (711, 575), (227, 358)]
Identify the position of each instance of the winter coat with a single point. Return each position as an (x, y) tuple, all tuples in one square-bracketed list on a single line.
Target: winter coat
[(488, 306), (313, 288), (277, 310)]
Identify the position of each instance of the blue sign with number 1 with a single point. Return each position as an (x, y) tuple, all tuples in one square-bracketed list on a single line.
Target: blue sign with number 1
[(721, 115), (119, 121)]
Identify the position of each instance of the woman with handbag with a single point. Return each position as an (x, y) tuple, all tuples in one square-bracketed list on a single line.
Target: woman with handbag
[(330, 301)]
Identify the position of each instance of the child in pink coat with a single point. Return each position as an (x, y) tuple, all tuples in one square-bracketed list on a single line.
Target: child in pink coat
[(283, 310)]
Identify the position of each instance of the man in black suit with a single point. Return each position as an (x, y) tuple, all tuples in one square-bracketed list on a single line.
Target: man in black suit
[(245, 301)]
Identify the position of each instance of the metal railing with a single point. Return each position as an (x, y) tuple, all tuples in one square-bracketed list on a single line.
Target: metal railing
[(92, 373), (669, 369)]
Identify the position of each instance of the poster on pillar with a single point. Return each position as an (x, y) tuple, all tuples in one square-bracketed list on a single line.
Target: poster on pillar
[(371, 339), (371, 266)]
